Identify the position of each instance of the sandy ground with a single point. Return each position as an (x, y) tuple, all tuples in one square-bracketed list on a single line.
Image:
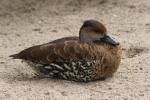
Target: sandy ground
[(25, 23)]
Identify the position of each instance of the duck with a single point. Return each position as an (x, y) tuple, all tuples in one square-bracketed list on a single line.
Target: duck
[(91, 56)]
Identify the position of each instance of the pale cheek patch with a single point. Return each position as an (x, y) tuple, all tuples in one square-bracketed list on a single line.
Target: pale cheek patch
[(91, 37), (96, 36)]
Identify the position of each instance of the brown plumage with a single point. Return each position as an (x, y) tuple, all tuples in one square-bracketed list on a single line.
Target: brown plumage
[(91, 56)]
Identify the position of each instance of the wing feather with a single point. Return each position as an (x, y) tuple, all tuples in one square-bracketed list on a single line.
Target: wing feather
[(67, 48)]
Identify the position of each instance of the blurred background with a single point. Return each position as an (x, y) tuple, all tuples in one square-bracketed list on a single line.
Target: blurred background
[(25, 23)]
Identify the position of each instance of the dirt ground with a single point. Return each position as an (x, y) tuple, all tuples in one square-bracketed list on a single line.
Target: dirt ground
[(25, 23)]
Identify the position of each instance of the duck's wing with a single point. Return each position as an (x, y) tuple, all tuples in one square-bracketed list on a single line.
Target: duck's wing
[(66, 48)]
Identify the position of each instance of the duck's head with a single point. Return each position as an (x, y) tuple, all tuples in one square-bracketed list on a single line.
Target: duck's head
[(93, 31)]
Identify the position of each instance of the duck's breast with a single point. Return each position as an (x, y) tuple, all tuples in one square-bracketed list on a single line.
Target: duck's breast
[(108, 59)]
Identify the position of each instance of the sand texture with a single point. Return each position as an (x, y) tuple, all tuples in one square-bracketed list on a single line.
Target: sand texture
[(24, 23)]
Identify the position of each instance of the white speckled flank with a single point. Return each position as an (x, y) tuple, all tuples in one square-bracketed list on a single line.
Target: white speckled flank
[(73, 71)]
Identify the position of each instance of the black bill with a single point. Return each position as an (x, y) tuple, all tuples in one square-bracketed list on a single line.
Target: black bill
[(109, 40)]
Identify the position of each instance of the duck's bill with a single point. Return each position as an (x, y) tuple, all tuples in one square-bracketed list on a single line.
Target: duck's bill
[(109, 40)]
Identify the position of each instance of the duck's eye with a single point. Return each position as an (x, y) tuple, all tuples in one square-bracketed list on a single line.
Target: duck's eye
[(96, 30)]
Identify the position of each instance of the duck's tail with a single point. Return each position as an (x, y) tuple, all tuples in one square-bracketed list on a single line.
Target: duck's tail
[(15, 56)]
